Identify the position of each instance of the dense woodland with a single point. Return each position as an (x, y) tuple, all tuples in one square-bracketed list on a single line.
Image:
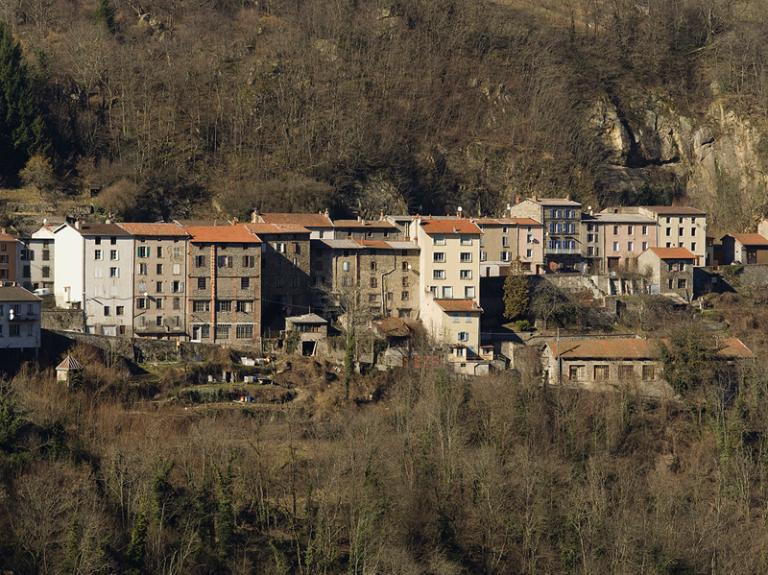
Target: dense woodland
[(360, 106)]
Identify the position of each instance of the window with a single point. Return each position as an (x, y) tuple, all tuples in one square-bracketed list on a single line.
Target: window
[(200, 283), (142, 269), (46, 255), (97, 255), (575, 372), (615, 230), (374, 282), (405, 281), (601, 372), (447, 292), (465, 257), (483, 255), (26, 272), (222, 331), (97, 241), (626, 372), (463, 336), (280, 247), (465, 274), (693, 246), (693, 231), (142, 252), (404, 295), (438, 257), (106, 311), (14, 330), (224, 305), (199, 261), (630, 230), (141, 303), (177, 286), (644, 246), (159, 287), (245, 331), (630, 246), (644, 230), (245, 283), (114, 272), (176, 269), (373, 265), (615, 246), (668, 232), (649, 372), (373, 297), (505, 256), (405, 266), (244, 306), (345, 266), (159, 303), (176, 251), (505, 241), (113, 240), (177, 303), (439, 240), (46, 271), (201, 305), (680, 232), (120, 310), (469, 292), (224, 261), (249, 261), (159, 269), (438, 274), (528, 254), (682, 283), (159, 321)]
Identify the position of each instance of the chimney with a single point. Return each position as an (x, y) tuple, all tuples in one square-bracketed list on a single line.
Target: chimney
[(255, 216), (359, 219), (459, 211), (235, 221), (78, 224), (381, 215)]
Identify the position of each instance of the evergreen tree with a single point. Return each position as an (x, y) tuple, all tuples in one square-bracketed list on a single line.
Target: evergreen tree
[(22, 128), (515, 295)]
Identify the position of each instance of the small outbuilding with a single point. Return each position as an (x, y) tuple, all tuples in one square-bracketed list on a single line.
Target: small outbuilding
[(310, 329), (69, 371)]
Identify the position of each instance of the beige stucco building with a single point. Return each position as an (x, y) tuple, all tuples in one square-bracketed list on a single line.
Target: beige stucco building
[(506, 240), (612, 242), (159, 279)]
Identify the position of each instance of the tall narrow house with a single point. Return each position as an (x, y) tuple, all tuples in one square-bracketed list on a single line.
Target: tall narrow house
[(224, 285)]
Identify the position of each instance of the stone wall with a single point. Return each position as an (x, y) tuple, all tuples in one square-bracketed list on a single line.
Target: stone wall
[(729, 278), (63, 319)]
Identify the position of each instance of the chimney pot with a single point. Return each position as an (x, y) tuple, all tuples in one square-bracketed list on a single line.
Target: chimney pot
[(78, 225)]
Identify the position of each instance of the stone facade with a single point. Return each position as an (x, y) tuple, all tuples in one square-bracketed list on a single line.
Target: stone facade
[(668, 270), (506, 240), (224, 285)]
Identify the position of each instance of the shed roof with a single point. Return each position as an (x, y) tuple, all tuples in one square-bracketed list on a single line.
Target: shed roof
[(749, 239), (673, 253), (13, 294), (310, 318)]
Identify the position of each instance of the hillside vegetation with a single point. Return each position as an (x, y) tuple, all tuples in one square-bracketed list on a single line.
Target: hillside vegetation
[(418, 104)]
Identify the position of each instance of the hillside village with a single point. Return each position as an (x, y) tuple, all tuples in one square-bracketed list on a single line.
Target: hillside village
[(427, 288)]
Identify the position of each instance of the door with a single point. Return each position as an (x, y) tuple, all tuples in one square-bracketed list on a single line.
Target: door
[(196, 333)]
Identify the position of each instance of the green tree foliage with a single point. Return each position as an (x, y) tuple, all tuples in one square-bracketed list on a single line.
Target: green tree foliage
[(22, 127), (137, 547), (516, 296), (689, 359), (106, 14)]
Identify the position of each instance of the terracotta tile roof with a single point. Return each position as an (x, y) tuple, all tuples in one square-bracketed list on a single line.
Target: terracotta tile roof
[(69, 364), (365, 224), (277, 229), (507, 222), (750, 239), (463, 305), (7, 238), (606, 348), (450, 226), (301, 219), (154, 230), (673, 253), (676, 210), (733, 347), (238, 234), (393, 327)]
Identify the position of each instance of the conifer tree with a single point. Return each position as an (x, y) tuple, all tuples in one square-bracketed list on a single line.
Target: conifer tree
[(22, 127), (515, 295)]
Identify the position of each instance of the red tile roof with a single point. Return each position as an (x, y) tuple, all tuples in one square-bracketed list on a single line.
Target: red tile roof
[(301, 219), (507, 222), (673, 253), (365, 224), (750, 239), (463, 305), (277, 229), (237, 234), (7, 238), (733, 347), (606, 348), (450, 226), (154, 230)]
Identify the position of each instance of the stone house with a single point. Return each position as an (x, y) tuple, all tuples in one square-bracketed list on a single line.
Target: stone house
[(668, 271), (310, 328), (159, 279), (506, 240), (285, 278), (744, 249), (382, 276), (224, 285)]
